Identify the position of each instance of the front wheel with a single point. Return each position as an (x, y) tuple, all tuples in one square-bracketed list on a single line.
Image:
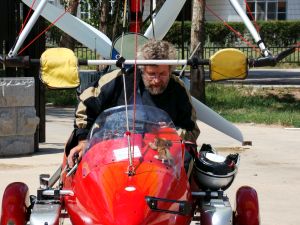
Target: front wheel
[(14, 204), (247, 209)]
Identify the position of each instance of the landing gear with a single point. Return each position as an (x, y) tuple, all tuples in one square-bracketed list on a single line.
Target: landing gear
[(15, 204), (247, 209)]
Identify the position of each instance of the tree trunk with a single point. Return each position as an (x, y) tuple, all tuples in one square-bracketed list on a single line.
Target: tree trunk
[(116, 20), (198, 36), (66, 40), (103, 19), (159, 4)]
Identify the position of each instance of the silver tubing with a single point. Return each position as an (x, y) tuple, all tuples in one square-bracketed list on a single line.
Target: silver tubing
[(14, 51), (138, 62), (236, 5), (61, 192)]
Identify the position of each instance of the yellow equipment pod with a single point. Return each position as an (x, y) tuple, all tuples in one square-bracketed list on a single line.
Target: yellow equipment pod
[(59, 68), (228, 64)]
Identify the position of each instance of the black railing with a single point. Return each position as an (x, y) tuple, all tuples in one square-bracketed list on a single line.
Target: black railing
[(255, 53), (249, 52), (86, 53)]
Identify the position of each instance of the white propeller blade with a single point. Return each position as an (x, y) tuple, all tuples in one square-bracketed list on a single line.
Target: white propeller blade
[(164, 19), (94, 39), (213, 119), (76, 28)]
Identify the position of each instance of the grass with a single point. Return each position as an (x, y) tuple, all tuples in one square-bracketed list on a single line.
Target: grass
[(61, 97), (240, 104)]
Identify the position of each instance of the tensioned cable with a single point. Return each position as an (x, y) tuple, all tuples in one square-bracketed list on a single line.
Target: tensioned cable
[(297, 45), (231, 28), (193, 53), (123, 73), (128, 133), (135, 69), (252, 17), (25, 21), (27, 17), (40, 34)]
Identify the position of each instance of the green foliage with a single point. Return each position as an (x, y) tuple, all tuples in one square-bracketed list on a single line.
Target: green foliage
[(248, 104), (236, 103), (274, 33), (280, 32), (175, 34), (53, 35), (221, 35), (115, 15), (61, 97)]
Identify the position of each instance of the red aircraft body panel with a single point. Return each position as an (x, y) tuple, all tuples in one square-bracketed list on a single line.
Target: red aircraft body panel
[(104, 193)]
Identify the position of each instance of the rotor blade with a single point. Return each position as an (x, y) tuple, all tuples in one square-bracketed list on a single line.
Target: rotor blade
[(78, 29), (285, 53), (241, 12), (213, 119), (164, 19)]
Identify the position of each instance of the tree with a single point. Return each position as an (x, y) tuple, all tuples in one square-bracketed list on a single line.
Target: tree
[(159, 4), (198, 36), (107, 16), (66, 40), (103, 16)]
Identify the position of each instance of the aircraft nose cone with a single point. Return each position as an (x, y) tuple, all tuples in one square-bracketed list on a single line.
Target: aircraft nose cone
[(131, 207)]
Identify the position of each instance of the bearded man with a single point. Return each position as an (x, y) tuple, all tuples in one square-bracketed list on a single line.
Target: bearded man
[(155, 86)]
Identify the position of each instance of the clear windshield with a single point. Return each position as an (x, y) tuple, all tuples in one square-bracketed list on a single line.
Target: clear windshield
[(112, 123), (152, 137)]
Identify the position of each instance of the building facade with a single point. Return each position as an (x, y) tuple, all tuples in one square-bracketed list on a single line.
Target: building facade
[(260, 10), (257, 9)]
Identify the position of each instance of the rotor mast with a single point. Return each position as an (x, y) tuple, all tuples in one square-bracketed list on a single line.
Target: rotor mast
[(136, 15)]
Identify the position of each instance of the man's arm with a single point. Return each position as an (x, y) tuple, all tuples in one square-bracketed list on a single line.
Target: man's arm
[(92, 102), (189, 129)]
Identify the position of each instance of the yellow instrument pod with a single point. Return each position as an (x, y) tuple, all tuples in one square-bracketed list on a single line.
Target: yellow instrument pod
[(59, 68), (228, 64)]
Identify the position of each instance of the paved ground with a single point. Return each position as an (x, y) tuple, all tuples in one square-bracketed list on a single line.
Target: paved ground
[(269, 77), (271, 164), (273, 77)]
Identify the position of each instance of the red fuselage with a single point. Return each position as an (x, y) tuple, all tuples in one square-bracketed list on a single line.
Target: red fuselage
[(105, 194)]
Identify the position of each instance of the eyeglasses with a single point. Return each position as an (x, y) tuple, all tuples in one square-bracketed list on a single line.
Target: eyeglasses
[(156, 75)]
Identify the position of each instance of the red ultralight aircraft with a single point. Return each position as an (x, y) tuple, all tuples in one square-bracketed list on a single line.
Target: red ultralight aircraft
[(134, 178)]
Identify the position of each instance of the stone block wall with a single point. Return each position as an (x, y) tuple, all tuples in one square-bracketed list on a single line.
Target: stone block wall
[(18, 120)]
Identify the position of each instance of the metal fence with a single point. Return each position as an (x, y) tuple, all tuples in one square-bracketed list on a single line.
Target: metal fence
[(86, 53), (252, 53)]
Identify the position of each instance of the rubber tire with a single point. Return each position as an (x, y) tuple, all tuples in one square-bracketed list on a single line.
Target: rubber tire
[(14, 208), (247, 208)]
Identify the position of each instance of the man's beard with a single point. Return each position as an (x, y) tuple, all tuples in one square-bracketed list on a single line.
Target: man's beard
[(155, 90)]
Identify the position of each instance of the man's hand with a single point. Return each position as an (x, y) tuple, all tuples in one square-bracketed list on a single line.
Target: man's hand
[(77, 150)]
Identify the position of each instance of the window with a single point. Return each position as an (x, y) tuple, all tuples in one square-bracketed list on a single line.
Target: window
[(267, 9), (85, 10)]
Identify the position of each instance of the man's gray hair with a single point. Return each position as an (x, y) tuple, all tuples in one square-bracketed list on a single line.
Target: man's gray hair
[(157, 49)]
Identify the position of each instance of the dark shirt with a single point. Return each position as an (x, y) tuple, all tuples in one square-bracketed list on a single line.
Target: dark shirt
[(109, 92)]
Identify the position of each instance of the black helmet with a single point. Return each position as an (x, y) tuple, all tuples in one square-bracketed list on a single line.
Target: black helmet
[(215, 172)]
